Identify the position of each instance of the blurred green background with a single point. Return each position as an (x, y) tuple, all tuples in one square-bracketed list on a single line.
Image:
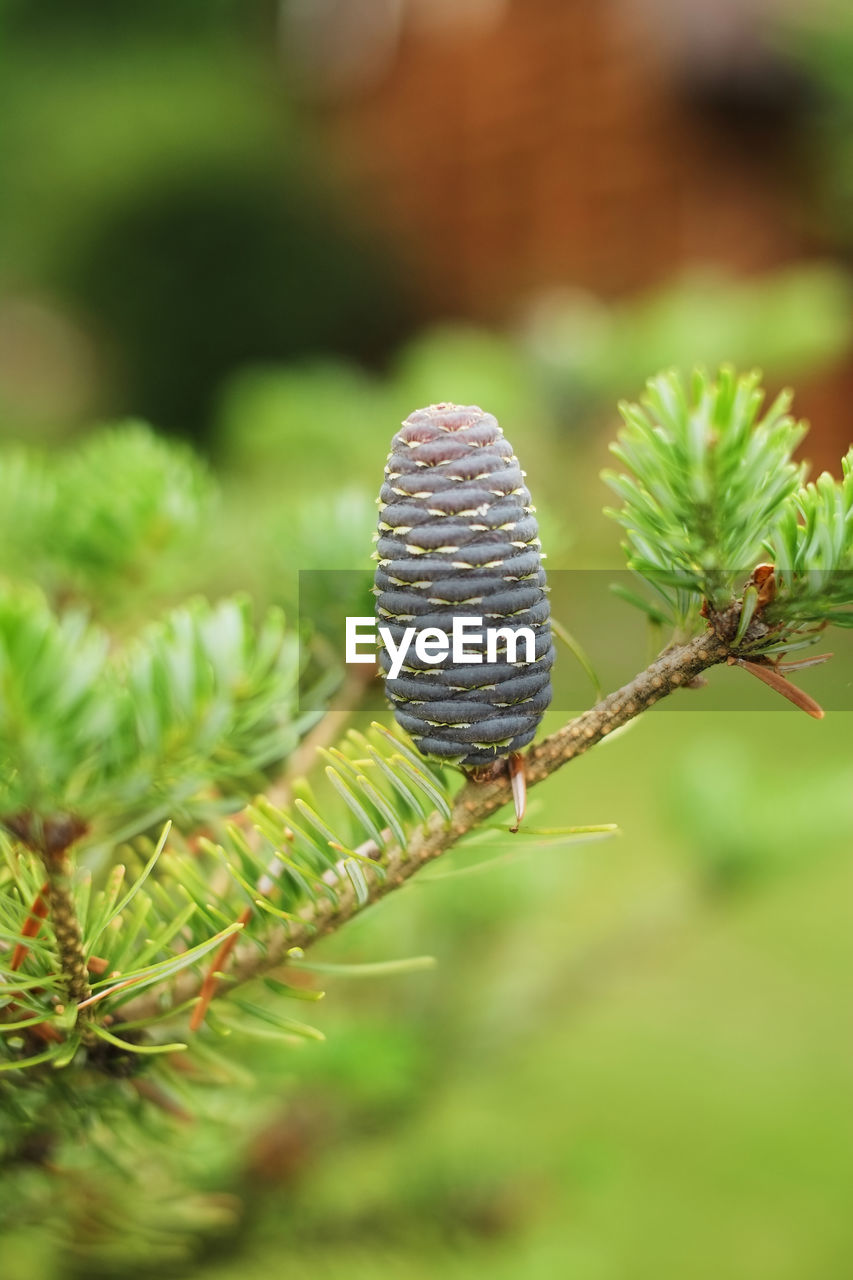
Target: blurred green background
[(633, 1058)]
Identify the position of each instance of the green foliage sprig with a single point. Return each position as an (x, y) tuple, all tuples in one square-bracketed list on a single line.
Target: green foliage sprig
[(117, 517), (812, 550), (707, 478), (711, 488), (177, 722)]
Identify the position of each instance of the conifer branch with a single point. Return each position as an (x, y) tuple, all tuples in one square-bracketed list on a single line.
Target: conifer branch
[(186, 718), (677, 668)]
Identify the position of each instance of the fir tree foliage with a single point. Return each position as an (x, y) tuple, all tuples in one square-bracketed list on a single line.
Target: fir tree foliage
[(123, 751), (811, 546), (710, 488), (113, 519), (176, 722)]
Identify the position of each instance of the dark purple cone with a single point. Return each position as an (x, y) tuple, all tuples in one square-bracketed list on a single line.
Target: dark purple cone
[(458, 536)]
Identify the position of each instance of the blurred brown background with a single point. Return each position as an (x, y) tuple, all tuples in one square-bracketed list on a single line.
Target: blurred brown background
[(191, 192), (507, 148)]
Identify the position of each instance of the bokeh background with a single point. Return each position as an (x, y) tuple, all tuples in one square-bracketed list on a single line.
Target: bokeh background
[(274, 230)]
